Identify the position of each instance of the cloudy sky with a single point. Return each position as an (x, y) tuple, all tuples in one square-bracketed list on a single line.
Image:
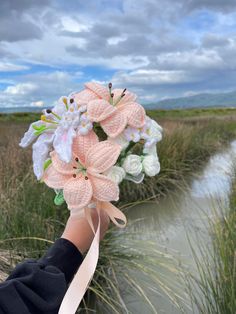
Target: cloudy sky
[(157, 48)]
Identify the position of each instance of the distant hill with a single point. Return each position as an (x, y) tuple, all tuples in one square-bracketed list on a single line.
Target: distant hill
[(21, 109), (197, 101)]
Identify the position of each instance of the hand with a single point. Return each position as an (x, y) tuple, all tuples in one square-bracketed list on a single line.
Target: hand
[(79, 232)]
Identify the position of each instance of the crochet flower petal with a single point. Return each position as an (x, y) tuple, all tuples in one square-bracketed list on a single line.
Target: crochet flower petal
[(40, 152), (29, 136), (102, 156), (63, 143), (99, 110), (104, 189), (129, 97), (82, 144), (78, 193), (115, 124), (54, 179), (100, 90), (85, 96), (135, 114), (61, 166), (60, 107), (120, 140)]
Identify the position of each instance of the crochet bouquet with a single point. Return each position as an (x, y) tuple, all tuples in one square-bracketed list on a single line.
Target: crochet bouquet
[(85, 147)]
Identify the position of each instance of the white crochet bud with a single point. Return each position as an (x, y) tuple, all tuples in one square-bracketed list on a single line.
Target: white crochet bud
[(155, 131), (133, 165), (151, 165), (150, 150), (120, 140), (132, 134), (116, 174)]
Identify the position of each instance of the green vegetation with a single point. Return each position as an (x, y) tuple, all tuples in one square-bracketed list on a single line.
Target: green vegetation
[(130, 266), (30, 220), (191, 113), (213, 289), (158, 114), (19, 117)]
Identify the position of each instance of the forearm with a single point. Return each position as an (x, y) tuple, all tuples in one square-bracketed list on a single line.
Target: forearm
[(39, 286)]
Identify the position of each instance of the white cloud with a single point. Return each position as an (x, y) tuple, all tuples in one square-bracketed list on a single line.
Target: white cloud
[(38, 103), (194, 59), (72, 25), (11, 67), (21, 89), (152, 77), (39, 89), (156, 48), (116, 40)]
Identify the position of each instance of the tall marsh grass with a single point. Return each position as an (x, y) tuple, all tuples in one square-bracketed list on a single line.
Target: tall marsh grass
[(132, 270), (213, 289)]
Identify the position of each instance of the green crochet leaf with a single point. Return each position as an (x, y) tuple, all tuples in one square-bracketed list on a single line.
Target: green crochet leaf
[(47, 163), (59, 198), (39, 132), (38, 127)]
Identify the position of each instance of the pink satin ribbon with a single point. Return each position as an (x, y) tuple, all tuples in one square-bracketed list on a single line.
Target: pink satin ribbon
[(84, 275)]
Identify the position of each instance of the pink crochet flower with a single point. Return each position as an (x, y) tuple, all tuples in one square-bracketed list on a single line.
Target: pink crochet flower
[(81, 179), (114, 116), (84, 96)]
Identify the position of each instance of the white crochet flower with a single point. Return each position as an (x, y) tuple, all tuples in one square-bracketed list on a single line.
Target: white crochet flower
[(116, 174), (150, 150), (151, 132), (85, 124), (151, 142), (120, 140), (56, 129), (151, 165), (155, 130), (132, 165), (132, 134)]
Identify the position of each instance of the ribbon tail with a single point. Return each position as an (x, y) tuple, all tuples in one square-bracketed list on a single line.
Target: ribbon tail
[(83, 277), (87, 212), (114, 213)]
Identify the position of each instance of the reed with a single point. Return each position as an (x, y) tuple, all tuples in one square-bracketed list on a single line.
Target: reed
[(213, 289)]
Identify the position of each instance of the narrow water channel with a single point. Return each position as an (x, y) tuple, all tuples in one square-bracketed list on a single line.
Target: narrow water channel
[(168, 221)]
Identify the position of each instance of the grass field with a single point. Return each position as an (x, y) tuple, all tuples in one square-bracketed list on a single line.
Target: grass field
[(157, 114), (193, 113), (213, 290), (30, 221)]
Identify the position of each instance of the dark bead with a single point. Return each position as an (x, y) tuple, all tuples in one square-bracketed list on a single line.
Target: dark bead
[(74, 175)]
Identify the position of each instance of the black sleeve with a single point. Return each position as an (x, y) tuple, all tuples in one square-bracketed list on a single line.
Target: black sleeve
[(36, 287)]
